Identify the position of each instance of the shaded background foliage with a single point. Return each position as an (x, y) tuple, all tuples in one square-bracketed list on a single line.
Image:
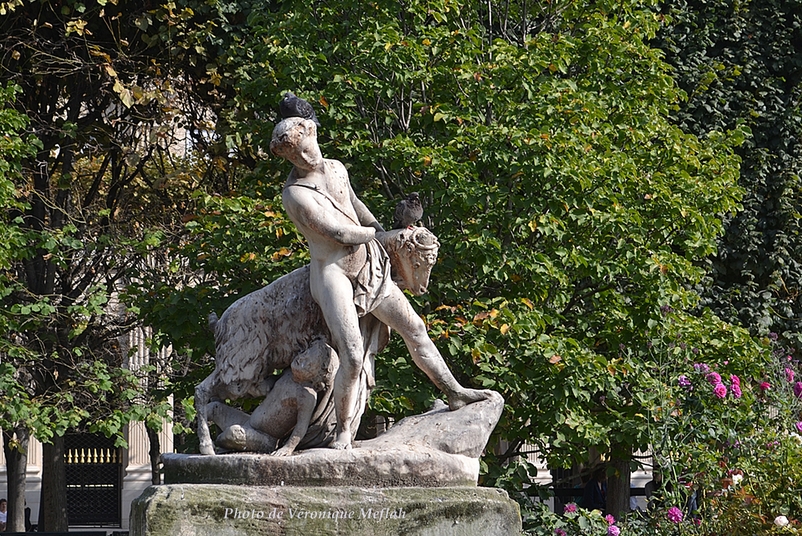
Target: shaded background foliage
[(570, 210), (741, 63), (576, 196)]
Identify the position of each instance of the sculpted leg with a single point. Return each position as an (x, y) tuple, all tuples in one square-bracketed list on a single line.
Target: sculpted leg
[(397, 313), (336, 300), (202, 394), (244, 438), (224, 416), (237, 434)]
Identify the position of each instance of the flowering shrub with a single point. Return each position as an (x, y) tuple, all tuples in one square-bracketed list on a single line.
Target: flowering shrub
[(727, 434), (575, 521), (731, 445), (675, 515)]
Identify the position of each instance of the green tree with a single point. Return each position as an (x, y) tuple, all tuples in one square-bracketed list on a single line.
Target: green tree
[(571, 211), (14, 149), (739, 63), (105, 105)]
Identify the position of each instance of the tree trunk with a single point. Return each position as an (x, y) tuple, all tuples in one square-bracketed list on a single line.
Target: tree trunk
[(53, 505), (618, 481), (16, 451), (155, 455)]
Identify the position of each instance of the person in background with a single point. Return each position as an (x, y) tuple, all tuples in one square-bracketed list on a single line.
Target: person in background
[(3, 514), (28, 524), (595, 495)]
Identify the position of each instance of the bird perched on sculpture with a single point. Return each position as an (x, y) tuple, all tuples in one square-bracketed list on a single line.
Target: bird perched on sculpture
[(408, 211), (294, 106)]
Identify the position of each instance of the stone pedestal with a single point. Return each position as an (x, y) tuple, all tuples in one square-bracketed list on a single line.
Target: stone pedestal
[(417, 479), (228, 510)]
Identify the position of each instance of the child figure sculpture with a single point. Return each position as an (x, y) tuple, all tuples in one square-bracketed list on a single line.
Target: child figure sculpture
[(286, 410)]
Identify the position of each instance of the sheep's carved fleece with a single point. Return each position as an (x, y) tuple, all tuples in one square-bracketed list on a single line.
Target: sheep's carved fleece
[(263, 331)]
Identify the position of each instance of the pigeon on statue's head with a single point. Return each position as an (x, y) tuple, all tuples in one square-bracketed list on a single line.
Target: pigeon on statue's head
[(408, 211), (293, 106)]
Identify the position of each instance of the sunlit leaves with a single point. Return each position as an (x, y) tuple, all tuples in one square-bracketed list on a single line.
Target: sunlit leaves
[(568, 207), (739, 64)]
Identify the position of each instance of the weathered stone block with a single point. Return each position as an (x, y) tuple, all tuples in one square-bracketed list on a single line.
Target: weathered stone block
[(227, 510)]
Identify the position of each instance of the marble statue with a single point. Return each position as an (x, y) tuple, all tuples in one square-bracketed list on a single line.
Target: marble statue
[(350, 271), (306, 345), (265, 330), (286, 410), (346, 300)]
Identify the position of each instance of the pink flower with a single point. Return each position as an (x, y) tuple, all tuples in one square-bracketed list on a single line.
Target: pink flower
[(798, 389), (612, 530), (720, 390), (764, 386), (560, 532), (736, 390), (713, 378), (610, 519), (735, 380), (799, 427), (683, 381), (674, 515), (569, 508), (789, 374), (701, 367)]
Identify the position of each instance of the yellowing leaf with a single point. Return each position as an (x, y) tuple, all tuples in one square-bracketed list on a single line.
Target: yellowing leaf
[(283, 252), (480, 316), (476, 355), (504, 329), (556, 358)]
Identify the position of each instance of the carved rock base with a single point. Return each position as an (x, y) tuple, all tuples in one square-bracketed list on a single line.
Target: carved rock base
[(392, 467), (438, 448), (228, 510)]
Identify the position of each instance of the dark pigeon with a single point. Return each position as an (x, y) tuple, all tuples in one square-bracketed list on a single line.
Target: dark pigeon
[(408, 211), (292, 106)]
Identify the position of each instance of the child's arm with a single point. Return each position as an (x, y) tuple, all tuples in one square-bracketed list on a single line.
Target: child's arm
[(306, 400)]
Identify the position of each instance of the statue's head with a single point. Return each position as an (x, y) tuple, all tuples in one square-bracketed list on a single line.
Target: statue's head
[(413, 254), (317, 364), (295, 139)]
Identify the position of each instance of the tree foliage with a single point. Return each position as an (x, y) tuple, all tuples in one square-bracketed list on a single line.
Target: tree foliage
[(569, 208), (98, 86), (572, 213), (739, 63)]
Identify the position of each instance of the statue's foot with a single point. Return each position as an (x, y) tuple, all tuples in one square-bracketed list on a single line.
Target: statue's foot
[(342, 441), (463, 397), (207, 449), (233, 438)]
